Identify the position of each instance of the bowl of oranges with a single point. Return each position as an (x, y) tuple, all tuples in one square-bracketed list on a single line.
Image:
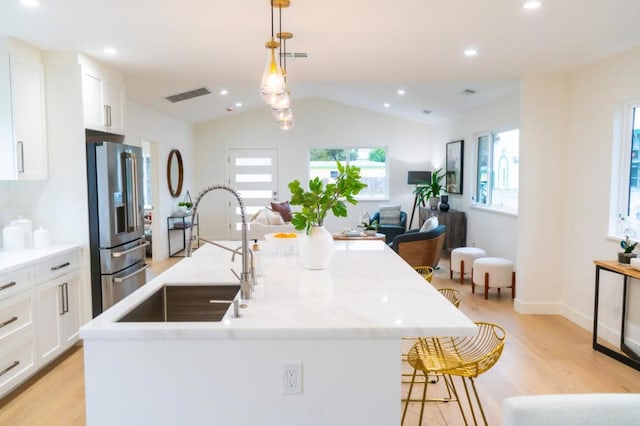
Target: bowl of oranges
[(285, 243)]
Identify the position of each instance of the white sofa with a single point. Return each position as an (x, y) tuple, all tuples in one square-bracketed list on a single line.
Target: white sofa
[(266, 221), (589, 409)]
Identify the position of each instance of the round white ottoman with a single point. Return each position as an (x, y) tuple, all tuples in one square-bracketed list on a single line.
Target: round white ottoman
[(493, 272), (462, 259)]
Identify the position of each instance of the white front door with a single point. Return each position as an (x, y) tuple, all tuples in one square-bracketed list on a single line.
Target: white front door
[(254, 174)]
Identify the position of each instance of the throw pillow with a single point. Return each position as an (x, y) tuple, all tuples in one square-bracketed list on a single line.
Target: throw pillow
[(283, 208), (390, 215), (429, 224), (274, 218), (261, 217)]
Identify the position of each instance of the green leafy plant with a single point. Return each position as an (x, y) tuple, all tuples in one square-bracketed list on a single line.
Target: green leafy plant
[(185, 204), (429, 189), (373, 226), (627, 245), (319, 200)]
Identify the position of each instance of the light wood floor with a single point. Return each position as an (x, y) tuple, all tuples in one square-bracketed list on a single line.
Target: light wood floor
[(543, 354)]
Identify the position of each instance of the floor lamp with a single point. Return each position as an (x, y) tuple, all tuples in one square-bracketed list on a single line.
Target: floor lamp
[(417, 178)]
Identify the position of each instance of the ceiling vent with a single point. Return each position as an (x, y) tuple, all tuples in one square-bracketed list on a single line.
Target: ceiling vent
[(468, 92), (187, 95), (294, 55)]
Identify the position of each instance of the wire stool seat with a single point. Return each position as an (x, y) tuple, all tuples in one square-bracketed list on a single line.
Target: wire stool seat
[(465, 357)]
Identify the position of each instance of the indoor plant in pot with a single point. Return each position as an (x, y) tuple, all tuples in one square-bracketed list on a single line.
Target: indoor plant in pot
[(430, 190), (316, 245), (628, 246)]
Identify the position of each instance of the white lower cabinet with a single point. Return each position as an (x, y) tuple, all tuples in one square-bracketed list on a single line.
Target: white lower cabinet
[(57, 313), (40, 315), (17, 360)]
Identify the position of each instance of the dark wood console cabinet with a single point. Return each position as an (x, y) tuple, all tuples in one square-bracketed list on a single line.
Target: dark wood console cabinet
[(454, 220)]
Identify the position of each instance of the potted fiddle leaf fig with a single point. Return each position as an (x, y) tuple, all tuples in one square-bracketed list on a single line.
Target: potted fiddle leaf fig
[(317, 202), (628, 246), (430, 190)]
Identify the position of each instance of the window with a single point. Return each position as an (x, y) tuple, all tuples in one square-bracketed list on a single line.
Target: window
[(629, 204), (497, 170), (371, 161)]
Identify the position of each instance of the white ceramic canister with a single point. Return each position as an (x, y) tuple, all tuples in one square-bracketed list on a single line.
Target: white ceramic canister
[(41, 238), (27, 230), (12, 238)]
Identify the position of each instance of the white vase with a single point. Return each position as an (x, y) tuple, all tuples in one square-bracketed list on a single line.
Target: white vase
[(316, 249)]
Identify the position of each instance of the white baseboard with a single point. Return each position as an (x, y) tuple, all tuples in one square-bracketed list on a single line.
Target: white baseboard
[(537, 308)]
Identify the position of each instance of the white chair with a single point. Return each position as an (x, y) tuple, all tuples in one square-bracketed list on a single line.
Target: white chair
[(594, 409)]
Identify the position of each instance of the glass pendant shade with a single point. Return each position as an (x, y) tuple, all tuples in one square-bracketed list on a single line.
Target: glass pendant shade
[(286, 124), (282, 101), (282, 114), (272, 79)]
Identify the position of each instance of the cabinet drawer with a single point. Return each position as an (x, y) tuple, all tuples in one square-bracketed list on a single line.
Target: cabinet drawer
[(56, 266), (16, 316), (17, 362), (14, 282)]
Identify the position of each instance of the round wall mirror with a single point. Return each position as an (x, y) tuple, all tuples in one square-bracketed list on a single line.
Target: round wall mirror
[(175, 173)]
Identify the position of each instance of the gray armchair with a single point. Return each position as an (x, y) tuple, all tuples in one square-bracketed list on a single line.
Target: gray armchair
[(420, 248), (391, 231)]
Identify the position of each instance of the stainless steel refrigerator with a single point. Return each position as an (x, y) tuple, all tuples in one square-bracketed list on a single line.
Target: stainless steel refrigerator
[(116, 225)]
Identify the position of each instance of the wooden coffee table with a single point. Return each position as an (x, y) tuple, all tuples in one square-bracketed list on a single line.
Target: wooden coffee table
[(342, 237)]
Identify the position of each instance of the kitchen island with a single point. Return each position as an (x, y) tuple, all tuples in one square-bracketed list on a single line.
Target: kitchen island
[(341, 328)]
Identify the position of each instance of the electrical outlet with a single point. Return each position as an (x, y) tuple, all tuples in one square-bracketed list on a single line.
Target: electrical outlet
[(292, 379)]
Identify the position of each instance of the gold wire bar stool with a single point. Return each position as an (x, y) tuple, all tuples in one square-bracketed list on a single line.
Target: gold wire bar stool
[(466, 357), (425, 271), (454, 296)]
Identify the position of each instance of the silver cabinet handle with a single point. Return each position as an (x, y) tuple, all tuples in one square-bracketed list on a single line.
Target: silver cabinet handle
[(121, 279), (9, 321), (61, 288), (6, 286), (11, 367), (64, 265), (21, 151), (131, 250), (106, 115)]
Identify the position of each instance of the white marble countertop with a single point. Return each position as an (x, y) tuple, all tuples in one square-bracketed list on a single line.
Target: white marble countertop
[(367, 292), (12, 260)]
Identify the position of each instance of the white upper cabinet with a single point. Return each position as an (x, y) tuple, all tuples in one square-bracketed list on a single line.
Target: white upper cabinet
[(23, 135), (103, 97)]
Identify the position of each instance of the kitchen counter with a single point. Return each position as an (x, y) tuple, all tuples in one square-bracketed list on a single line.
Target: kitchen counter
[(368, 291), (12, 260), (341, 326)]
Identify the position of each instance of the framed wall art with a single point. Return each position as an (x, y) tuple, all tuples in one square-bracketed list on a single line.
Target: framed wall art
[(454, 167)]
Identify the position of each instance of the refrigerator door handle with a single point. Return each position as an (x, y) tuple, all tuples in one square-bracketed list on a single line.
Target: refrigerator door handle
[(130, 189), (126, 277), (131, 250)]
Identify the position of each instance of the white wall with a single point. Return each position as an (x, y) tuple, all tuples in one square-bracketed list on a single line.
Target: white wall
[(543, 176), (492, 231), (319, 123), (165, 133), (595, 93)]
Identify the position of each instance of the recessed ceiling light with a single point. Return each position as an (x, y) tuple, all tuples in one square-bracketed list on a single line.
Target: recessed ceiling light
[(531, 4), (30, 3), (110, 50), (386, 104), (224, 91), (238, 104), (401, 92), (470, 52)]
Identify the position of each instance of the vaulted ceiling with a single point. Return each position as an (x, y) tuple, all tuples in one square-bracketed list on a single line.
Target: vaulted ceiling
[(360, 52)]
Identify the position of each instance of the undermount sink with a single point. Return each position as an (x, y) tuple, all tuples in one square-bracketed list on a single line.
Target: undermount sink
[(184, 303)]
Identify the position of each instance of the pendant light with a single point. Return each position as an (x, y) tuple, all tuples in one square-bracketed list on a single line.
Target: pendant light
[(272, 83), (273, 86)]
